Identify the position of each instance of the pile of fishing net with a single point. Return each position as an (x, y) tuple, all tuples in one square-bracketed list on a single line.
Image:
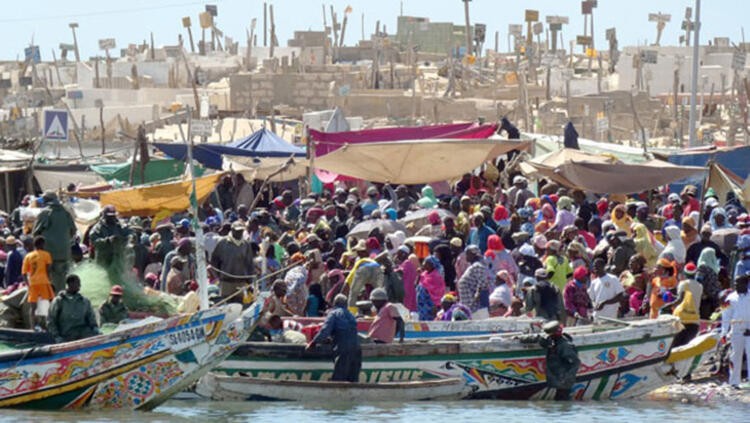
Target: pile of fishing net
[(97, 281)]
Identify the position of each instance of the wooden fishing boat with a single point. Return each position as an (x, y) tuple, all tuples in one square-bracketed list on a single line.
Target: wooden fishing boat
[(617, 361), (138, 367), (446, 329), (239, 388)]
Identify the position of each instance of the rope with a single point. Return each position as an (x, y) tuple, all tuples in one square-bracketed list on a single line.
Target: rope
[(255, 284)]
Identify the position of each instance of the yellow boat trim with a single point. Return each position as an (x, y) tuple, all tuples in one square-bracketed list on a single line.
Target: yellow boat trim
[(680, 354)]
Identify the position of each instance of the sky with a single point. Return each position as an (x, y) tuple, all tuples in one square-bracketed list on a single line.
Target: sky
[(132, 21)]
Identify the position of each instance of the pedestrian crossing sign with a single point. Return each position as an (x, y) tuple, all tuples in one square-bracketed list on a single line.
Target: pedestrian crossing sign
[(55, 125)]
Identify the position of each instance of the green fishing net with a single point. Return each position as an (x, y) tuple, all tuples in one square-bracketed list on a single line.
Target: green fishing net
[(97, 281)]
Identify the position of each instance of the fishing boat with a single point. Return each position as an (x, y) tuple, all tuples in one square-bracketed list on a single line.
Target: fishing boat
[(239, 388), (618, 361), (136, 367), (445, 329)]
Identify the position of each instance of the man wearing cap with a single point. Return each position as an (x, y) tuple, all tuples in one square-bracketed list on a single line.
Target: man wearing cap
[(56, 225), (388, 322), (184, 252), (108, 237), (113, 310), (233, 261), (543, 298), (341, 327), (16, 254), (562, 360), (175, 280), (689, 202), (519, 194)]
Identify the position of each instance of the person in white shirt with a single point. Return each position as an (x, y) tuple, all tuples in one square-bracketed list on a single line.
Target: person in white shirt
[(606, 291), (735, 321), (501, 297)]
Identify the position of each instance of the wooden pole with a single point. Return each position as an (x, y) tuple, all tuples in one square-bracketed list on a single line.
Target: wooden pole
[(334, 47), (73, 27), (101, 125), (192, 81), (468, 28), (153, 51), (273, 31), (343, 29), (363, 27), (57, 69), (265, 24), (190, 36)]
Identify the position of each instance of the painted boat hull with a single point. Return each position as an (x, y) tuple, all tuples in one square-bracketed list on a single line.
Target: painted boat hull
[(220, 387), (617, 362), (135, 368), (441, 329)]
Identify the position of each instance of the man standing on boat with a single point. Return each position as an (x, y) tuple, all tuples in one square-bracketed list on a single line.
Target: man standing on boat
[(57, 227), (562, 360), (341, 327), (388, 322)]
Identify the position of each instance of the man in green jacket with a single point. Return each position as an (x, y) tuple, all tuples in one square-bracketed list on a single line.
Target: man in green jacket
[(562, 360), (113, 310), (71, 316), (57, 227), (108, 237)]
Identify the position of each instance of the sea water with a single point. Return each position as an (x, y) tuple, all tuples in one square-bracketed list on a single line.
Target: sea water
[(454, 411)]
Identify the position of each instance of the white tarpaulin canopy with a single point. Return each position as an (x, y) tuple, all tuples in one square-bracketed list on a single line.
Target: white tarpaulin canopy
[(253, 169), (414, 162)]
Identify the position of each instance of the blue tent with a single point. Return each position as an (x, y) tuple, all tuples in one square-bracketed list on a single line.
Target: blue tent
[(736, 159), (262, 143)]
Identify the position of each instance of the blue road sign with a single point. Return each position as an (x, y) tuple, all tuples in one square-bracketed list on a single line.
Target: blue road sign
[(32, 53), (55, 125)]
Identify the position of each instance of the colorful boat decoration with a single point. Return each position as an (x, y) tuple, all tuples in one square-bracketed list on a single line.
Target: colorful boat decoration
[(618, 361), (138, 367), (446, 329)]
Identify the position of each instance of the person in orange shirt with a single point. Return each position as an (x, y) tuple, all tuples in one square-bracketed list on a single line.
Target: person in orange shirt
[(664, 282), (35, 269)]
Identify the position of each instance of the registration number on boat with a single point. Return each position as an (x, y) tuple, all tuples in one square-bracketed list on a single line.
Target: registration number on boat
[(186, 338)]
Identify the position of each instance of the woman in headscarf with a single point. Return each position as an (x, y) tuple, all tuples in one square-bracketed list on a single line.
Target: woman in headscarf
[(661, 289), (409, 275), (393, 241), (708, 276), (428, 200), (675, 249), (547, 219), (719, 219), (444, 255), (689, 233), (565, 216), (431, 288), (500, 216), (578, 255), (644, 244), (498, 257), (621, 219)]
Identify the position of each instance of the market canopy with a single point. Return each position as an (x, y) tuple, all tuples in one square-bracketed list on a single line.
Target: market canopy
[(415, 162), (617, 178), (262, 143), (162, 198), (326, 142)]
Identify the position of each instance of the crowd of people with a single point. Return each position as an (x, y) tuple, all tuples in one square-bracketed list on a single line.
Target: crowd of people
[(483, 250)]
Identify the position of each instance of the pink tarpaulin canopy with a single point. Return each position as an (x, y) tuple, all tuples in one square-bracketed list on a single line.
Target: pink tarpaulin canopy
[(326, 142)]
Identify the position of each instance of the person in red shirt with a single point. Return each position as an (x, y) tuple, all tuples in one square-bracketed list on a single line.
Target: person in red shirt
[(388, 322), (689, 202)]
